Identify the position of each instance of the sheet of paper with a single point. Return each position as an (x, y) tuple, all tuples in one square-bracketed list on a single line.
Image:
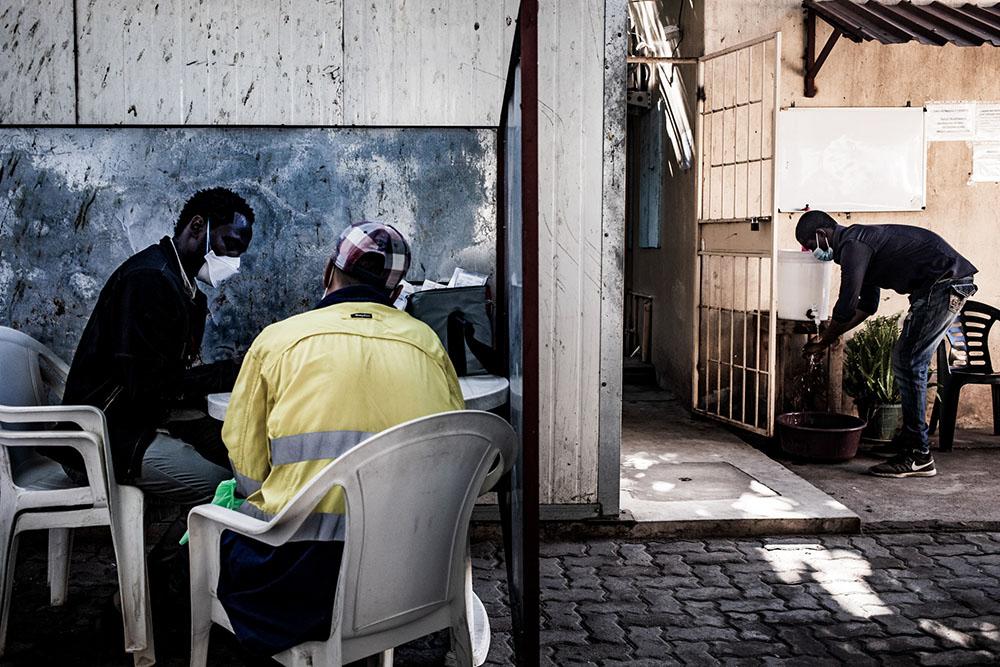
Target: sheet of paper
[(986, 162), (404, 295), (430, 284), (950, 122), (987, 122), (463, 278)]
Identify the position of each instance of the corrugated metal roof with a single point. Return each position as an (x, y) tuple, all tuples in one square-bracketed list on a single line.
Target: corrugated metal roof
[(935, 23)]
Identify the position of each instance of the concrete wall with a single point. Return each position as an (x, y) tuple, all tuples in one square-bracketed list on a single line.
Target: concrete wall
[(854, 75), (36, 62), (571, 155), (75, 203), (325, 62), (381, 62)]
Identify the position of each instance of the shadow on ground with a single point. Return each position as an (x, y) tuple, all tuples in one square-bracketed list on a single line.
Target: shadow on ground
[(899, 599), (86, 630), (967, 476)]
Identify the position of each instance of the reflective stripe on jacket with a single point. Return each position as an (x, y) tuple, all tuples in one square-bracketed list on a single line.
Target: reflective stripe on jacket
[(314, 385)]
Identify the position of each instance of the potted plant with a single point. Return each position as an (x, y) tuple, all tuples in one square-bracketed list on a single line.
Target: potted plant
[(868, 376)]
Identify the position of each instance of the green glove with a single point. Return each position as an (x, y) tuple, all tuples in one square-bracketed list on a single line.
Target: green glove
[(225, 496)]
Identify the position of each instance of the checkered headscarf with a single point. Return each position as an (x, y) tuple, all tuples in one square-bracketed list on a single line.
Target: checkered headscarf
[(364, 238)]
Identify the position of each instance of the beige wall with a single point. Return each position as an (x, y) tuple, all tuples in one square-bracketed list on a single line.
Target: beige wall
[(854, 75)]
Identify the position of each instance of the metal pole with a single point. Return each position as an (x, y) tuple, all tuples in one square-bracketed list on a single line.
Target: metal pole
[(660, 60), (732, 334), (772, 316), (699, 203)]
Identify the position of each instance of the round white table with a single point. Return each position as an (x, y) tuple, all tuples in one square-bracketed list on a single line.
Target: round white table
[(484, 392), (481, 392)]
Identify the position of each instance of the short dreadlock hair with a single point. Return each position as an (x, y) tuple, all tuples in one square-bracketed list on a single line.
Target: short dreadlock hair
[(216, 204)]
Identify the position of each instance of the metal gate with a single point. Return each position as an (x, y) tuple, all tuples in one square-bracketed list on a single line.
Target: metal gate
[(736, 141)]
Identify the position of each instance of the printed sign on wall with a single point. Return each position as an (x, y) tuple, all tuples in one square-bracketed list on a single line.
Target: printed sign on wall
[(986, 162), (950, 122), (987, 122)]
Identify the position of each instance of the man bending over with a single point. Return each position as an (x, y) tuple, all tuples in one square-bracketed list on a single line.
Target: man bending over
[(911, 261)]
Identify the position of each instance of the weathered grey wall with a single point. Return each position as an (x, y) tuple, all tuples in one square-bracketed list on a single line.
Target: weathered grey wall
[(570, 241), (380, 63), (75, 203), (276, 62), (612, 255), (36, 62)]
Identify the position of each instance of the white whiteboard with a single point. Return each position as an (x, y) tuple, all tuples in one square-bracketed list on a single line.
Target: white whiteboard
[(852, 159)]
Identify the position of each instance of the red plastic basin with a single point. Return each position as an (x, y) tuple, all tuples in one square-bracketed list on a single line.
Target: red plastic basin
[(820, 436)]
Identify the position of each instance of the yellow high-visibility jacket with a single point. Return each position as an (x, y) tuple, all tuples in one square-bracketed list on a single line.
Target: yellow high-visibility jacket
[(314, 385)]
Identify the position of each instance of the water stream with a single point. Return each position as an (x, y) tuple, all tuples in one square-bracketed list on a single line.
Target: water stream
[(809, 390)]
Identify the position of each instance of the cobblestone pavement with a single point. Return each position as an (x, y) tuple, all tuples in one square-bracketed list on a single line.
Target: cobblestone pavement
[(897, 599), (923, 599)]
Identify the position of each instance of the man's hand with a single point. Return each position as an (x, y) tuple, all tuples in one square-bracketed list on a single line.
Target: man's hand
[(814, 347)]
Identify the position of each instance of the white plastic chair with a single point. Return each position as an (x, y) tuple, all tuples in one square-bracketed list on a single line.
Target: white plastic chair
[(406, 570), (35, 494)]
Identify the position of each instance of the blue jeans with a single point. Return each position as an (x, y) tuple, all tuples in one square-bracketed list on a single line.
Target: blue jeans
[(931, 314)]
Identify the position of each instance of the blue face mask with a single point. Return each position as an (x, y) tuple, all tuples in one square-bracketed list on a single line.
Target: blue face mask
[(821, 254)]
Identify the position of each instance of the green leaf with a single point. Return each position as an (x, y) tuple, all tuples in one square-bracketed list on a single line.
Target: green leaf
[(868, 374)]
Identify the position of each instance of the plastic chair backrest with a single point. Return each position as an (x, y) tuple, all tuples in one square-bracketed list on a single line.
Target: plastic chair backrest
[(21, 381), (410, 492), (968, 338), (22, 386)]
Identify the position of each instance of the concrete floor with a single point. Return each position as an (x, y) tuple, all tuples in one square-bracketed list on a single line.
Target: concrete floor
[(687, 476), (963, 494)]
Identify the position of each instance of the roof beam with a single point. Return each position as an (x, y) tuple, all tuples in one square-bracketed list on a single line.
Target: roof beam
[(814, 63)]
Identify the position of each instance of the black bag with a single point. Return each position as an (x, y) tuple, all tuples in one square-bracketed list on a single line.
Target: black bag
[(460, 316)]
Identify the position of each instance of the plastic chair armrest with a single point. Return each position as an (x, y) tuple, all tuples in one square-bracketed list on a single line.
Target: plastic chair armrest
[(87, 444), (213, 518), (86, 417), (277, 531)]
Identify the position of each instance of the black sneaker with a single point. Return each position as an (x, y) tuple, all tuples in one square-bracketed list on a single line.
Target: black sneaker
[(906, 465)]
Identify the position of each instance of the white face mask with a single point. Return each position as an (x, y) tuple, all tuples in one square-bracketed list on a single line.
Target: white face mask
[(216, 270)]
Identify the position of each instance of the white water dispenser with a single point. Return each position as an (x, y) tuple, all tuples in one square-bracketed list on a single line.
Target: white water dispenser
[(803, 286)]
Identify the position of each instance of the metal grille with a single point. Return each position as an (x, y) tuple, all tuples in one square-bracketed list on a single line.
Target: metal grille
[(734, 366), (737, 147), (734, 357)]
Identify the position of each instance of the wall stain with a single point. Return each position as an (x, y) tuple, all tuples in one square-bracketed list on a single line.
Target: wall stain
[(81, 216)]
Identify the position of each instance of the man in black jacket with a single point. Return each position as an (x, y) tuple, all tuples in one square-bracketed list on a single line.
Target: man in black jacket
[(908, 260), (137, 359)]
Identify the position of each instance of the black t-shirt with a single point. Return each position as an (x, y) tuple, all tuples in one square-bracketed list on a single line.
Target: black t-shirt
[(902, 258)]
